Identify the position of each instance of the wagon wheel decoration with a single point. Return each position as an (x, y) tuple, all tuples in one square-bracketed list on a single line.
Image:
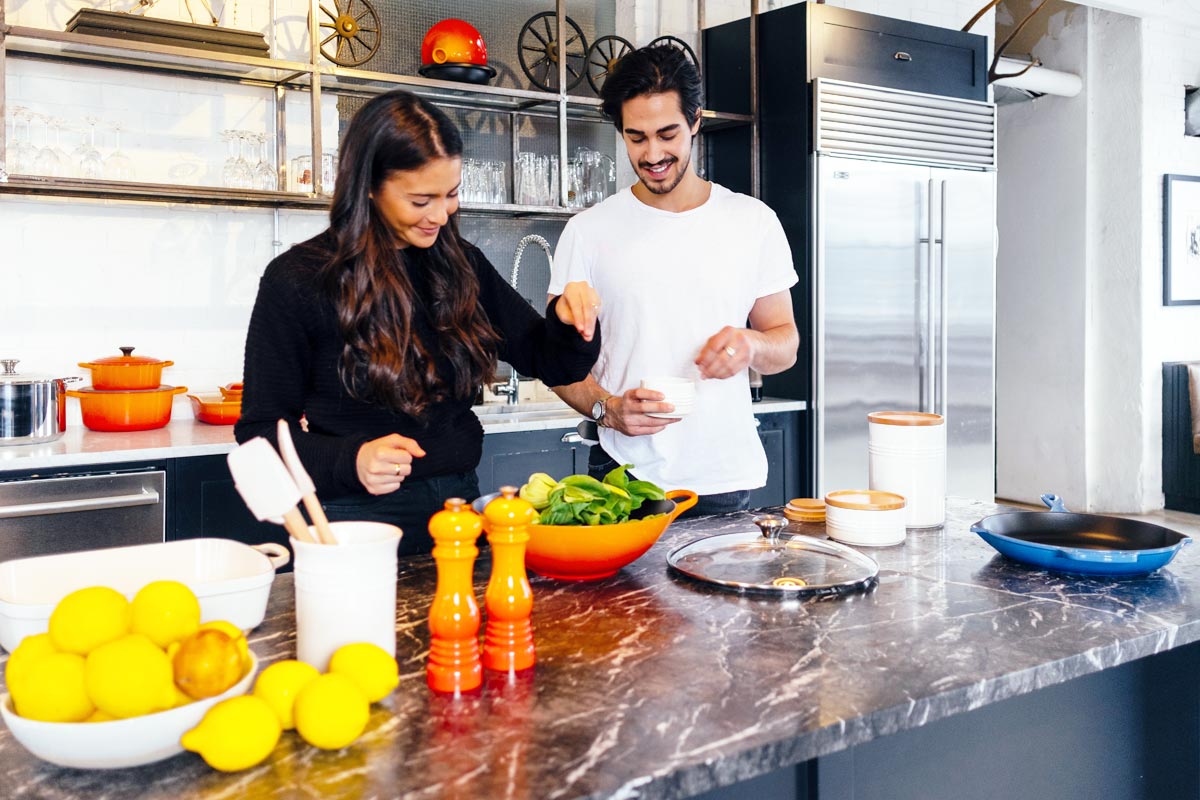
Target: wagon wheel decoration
[(602, 58), (350, 30), (538, 50), (678, 44)]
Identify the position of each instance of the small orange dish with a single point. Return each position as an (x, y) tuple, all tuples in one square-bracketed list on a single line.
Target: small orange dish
[(231, 391), (215, 409)]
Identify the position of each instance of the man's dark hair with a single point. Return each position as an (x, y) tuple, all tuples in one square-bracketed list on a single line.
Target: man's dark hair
[(652, 70)]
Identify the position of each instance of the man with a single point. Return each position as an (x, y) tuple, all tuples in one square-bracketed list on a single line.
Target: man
[(681, 263)]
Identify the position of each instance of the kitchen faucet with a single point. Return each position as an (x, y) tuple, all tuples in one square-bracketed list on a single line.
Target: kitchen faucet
[(511, 389)]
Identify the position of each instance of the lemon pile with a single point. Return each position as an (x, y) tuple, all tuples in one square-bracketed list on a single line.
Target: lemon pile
[(329, 711), (106, 658)]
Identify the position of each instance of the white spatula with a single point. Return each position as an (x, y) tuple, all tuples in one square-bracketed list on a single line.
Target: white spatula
[(304, 482), (268, 489)]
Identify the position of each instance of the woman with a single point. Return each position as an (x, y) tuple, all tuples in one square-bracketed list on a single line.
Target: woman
[(380, 330)]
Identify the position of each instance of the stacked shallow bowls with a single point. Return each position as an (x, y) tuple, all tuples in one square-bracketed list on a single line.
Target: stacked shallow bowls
[(127, 393), (218, 409)]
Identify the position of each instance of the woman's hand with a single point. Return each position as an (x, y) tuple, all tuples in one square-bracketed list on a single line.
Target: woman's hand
[(579, 305), (384, 463)]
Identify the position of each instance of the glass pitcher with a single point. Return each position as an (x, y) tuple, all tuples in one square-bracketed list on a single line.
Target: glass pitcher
[(599, 171)]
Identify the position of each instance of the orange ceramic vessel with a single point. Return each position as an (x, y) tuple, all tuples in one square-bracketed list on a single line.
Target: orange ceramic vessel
[(133, 410), (508, 635), (231, 391), (454, 665), (126, 371), (453, 41), (216, 410), (590, 552)]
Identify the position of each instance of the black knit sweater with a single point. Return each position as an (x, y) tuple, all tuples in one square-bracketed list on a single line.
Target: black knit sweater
[(294, 346)]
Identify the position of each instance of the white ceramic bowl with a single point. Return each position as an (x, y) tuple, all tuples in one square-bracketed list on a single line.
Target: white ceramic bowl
[(679, 392), (119, 743), (232, 580)]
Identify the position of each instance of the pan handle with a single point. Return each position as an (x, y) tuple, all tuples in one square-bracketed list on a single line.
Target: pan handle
[(978, 528), (1109, 556), (1053, 502)]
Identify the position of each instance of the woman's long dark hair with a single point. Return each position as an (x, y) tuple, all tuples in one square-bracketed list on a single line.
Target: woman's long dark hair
[(383, 360)]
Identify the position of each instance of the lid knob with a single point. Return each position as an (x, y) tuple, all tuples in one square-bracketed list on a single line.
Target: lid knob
[(10, 365), (126, 351), (770, 525)]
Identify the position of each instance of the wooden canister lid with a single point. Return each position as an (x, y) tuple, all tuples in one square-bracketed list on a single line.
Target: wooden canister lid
[(806, 504), (864, 500), (905, 418)]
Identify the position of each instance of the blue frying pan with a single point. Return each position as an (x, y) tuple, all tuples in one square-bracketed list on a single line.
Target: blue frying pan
[(1090, 544)]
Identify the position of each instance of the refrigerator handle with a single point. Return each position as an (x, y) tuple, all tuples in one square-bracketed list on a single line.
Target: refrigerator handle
[(944, 315), (927, 383)]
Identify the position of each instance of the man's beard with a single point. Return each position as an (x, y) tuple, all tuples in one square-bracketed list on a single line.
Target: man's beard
[(667, 188)]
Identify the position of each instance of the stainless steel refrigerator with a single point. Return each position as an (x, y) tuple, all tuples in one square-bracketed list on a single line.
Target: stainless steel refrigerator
[(904, 276)]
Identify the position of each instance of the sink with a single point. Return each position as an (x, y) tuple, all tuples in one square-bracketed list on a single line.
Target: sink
[(541, 408)]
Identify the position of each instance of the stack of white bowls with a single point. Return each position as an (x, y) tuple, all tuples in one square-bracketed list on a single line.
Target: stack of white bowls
[(679, 392)]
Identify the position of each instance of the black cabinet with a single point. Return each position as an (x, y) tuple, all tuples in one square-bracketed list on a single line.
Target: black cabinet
[(780, 436), (205, 502), (510, 458)]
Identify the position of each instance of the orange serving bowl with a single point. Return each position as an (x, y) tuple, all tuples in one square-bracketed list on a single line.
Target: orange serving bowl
[(133, 410), (591, 552), (215, 409)]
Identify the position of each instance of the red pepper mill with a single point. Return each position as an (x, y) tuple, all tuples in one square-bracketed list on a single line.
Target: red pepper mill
[(508, 637), (454, 665)]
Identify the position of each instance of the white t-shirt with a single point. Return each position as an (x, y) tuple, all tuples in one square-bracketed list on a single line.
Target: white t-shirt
[(667, 282)]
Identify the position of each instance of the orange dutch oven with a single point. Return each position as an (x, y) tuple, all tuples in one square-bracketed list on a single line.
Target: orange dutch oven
[(126, 371), (133, 410), (215, 409)]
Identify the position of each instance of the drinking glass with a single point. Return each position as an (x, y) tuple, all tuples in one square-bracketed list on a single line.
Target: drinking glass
[(118, 166), (22, 152), (49, 161), (498, 184), (329, 167), (302, 174), (264, 176), (236, 172), (89, 165)]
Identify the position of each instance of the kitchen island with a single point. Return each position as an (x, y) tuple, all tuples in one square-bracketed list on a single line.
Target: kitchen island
[(961, 674)]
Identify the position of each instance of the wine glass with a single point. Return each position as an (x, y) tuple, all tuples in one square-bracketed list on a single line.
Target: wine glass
[(22, 152), (264, 174), (118, 166), (90, 165), (49, 161), (236, 172)]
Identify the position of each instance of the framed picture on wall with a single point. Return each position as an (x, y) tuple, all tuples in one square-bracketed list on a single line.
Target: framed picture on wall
[(1181, 240)]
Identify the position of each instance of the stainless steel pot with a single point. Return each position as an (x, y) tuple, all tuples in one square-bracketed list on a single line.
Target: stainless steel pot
[(33, 408)]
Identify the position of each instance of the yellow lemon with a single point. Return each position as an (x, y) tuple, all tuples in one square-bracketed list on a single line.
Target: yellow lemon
[(100, 716), (368, 665), (206, 663), (182, 699), (30, 650), (235, 633), (331, 712), (130, 677), (54, 691), (87, 618), (165, 611), (235, 734), (279, 684)]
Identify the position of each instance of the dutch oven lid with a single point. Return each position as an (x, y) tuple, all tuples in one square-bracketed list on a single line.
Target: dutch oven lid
[(126, 359), (10, 376), (768, 562)]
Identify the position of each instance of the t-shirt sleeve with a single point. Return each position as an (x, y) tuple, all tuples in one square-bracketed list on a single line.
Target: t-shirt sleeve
[(570, 262), (776, 271)]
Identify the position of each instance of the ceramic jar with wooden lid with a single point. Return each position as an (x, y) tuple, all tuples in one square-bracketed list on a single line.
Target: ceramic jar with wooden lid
[(907, 452)]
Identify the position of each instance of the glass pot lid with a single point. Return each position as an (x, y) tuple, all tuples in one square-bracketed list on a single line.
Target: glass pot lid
[(9, 374), (770, 561)]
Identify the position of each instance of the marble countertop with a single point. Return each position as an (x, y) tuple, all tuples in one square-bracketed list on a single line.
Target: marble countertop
[(652, 686), (183, 438)]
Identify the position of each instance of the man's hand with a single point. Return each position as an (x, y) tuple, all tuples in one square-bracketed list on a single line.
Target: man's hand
[(627, 413), (384, 463), (726, 353)]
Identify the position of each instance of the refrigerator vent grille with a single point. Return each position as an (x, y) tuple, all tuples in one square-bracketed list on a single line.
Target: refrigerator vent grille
[(867, 121)]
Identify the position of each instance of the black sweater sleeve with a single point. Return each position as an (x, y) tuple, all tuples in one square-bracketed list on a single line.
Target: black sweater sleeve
[(538, 347), (278, 376)]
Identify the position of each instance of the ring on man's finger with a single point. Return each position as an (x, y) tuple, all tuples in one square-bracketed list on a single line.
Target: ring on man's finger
[(730, 351)]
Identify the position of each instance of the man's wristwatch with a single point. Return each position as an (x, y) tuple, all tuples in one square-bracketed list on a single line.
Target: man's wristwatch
[(599, 410)]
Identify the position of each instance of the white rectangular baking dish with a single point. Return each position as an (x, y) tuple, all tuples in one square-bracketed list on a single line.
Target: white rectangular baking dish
[(232, 580)]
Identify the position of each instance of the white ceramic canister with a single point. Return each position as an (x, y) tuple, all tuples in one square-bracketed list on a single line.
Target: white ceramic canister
[(865, 518), (907, 452)]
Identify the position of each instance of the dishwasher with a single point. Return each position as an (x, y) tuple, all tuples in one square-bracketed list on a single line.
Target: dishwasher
[(60, 514)]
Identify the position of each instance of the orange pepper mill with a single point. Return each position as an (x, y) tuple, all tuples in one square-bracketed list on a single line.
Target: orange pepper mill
[(454, 665), (508, 637)]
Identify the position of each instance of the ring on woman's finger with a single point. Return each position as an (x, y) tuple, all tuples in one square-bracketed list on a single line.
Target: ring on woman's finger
[(730, 351), (397, 466)]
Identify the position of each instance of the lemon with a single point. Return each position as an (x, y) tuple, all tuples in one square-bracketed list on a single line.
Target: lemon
[(87, 618), (331, 712), (206, 663), (182, 699), (100, 716), (279, 684), (235, 734), (165, 611), (30, 650), (130, 677), (368, 665), (54, 691), (235, 633)]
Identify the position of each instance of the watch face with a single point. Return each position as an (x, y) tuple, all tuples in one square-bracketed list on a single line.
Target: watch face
[(598, 409)]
